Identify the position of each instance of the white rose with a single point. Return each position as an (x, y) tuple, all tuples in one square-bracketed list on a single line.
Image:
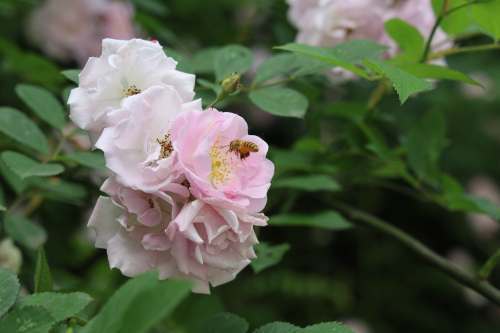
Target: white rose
[(124, 69)]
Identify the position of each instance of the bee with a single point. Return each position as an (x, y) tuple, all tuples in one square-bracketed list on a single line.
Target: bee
[(166, 147), (242, 148)]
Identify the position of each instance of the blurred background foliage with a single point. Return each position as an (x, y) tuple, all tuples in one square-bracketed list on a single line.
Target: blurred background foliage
[(354, 275)]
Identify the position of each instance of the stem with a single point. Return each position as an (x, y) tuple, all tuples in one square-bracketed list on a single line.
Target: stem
[(453, 271), (440, 17), (376, 95), (457, 50), (489, 265), (444, 13)]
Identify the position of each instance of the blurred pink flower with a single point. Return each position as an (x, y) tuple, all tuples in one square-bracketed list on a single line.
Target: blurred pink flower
[(73, 29), (330, 22), (137, 146), (484, 226), (145, 231), (124, 69), (460, 257), (217, 175)]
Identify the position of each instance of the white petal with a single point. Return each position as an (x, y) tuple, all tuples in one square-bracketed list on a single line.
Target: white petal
[(104, 221)]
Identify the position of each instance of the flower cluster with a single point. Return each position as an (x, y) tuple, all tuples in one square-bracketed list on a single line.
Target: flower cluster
[(73, 29), (188, 185), (330, 22)]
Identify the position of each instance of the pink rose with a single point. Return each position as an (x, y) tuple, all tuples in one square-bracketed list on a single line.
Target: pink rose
[(213, 244), (145, 231), (131, 225), (73, 29), (138, 147), (330, 22), (217, 175)]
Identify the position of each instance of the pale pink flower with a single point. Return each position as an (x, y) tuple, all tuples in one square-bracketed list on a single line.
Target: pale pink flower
[(137, 147), (124, 69), (145, 232), (330, 22), (213, 244), (217, 175), (131, 226), (73, 29), (461, 258), (484, 226)]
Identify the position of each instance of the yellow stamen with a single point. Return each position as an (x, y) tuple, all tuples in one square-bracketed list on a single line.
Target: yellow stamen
[(221, 165), (131, 90)]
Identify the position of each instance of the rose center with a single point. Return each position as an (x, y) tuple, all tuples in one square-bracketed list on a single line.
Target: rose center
[(131, 90), (221, 167)]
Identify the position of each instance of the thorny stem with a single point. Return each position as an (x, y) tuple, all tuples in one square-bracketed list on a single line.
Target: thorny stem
[(453, 271), (489, 265)]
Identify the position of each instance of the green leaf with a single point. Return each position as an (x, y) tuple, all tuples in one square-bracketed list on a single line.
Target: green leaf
[(72, 75), (287, 160), (352, 111), (327, 328), (328, 220), (138, 305), (9, 289), (61, 190), (216, 88), (409, 39), (14, 181), (268, 256), (183, 63), (230, 59), (349, 55), (278, 327), (2, 200), (426, 140), (25, 167), (309, 183), (225, 323), (43, 104), (27, 319), (426, 71), (289, 64), (404, 83), (458, 22), (61, 306), (30, 66), (43, 277), (280, 101), (151, 6), (20, 128), (486, 16), (25, 232), (455, 198), (93, 159), (203, 61)]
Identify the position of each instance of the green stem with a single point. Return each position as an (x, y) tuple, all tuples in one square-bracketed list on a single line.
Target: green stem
[(453, 271), (489, 265), (377, 95), (457, 50), (442, 15)]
